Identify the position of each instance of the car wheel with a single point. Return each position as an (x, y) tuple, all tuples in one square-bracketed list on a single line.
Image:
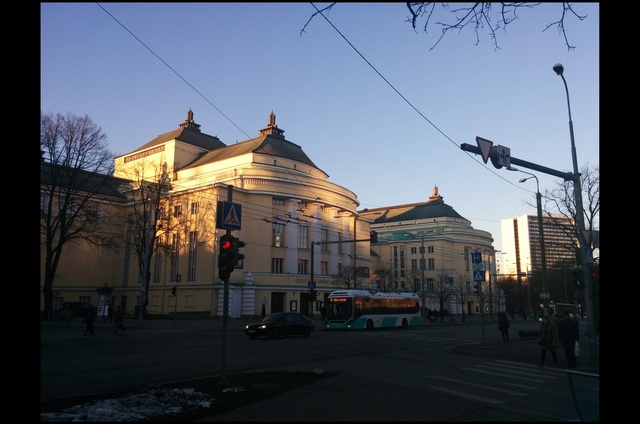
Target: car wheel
[(405, 324), (369, 325)]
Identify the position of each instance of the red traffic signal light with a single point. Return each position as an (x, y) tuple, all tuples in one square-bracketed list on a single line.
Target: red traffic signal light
[(225, 256), (373, 236)]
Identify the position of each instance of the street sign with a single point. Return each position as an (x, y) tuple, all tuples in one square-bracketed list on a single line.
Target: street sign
[(476, 257), (485, 147), (478, 276), (311, 285), (229, 215), (504, 156), (544, 296)]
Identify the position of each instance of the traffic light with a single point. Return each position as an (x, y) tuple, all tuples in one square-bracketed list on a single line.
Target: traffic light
[(577, 279), (478, 288), (174, 290), (373, 236), (235, 245), (313, 294), (225, 257)]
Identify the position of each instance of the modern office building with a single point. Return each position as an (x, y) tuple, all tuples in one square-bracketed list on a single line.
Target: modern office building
[(521, 253)]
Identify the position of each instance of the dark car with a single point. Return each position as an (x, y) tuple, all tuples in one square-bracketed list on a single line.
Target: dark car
[(77, 309), (281, 324)]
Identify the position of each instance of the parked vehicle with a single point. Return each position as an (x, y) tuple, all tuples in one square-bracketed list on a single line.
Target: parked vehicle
[(76, 310), (281, 324)]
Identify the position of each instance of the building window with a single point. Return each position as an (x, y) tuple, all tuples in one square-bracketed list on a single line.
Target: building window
[(303, 238), (93, 212), (277, 202), (432, 263), (340, 250), (192, 255), (277, 265), (429, 284), (277, 236), (194, 208), (324, 237), (414, 250), (302, 266), (175, 250), (177, 211), (324, 268), (414, 264), (430, 249)]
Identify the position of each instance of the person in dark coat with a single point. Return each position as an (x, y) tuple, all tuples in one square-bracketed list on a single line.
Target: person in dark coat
[(548, 340), (503, 326), (88, 322), (569, 335), (118, 320)]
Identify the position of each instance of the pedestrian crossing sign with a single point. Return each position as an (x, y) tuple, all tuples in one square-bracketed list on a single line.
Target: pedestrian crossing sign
[(478, 275), (229, 215)]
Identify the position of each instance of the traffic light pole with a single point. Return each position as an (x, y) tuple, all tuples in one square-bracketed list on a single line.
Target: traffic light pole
[(225, 308)]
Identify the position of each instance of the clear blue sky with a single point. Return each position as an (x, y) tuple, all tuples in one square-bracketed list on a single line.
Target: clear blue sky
[(235, 63)]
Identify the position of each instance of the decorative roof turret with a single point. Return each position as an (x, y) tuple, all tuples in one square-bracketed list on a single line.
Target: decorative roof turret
[(272, 128), (435, 196), (190, 123)]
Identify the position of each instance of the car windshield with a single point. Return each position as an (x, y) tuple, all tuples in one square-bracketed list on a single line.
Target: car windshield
[(274, 318)]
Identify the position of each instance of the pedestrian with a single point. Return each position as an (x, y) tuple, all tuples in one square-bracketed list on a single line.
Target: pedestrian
[(118, 320), (88, 323), (548, 340), (110, 313), (569, 335), (264, 311), (503, 326)]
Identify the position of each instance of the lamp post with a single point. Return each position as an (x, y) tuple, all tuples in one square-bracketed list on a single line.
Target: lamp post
[(424, 308), (543, 256), (577, 194)]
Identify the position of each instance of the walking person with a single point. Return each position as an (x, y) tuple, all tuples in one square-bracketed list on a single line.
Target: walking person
[(569, 335), (503, 326), (548, 340), (118, 320), (88, 323)]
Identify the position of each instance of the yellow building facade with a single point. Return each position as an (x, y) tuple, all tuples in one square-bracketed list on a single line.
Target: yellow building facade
[(299, 229)]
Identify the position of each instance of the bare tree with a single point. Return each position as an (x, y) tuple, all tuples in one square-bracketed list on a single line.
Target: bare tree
[(460, 291), (383, 277), (562, 201), (76, 168), (152, 228), (506, 288), (480, 16), (344, 277), (442, 290)]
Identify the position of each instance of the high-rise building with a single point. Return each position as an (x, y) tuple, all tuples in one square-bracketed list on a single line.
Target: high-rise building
[(521, 254)]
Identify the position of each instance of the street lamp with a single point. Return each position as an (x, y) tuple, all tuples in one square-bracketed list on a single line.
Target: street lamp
[(577, 195), (543, 256)]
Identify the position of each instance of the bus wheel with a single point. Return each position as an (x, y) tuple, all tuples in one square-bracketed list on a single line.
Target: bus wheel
[(405, 324), (369, 325)]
